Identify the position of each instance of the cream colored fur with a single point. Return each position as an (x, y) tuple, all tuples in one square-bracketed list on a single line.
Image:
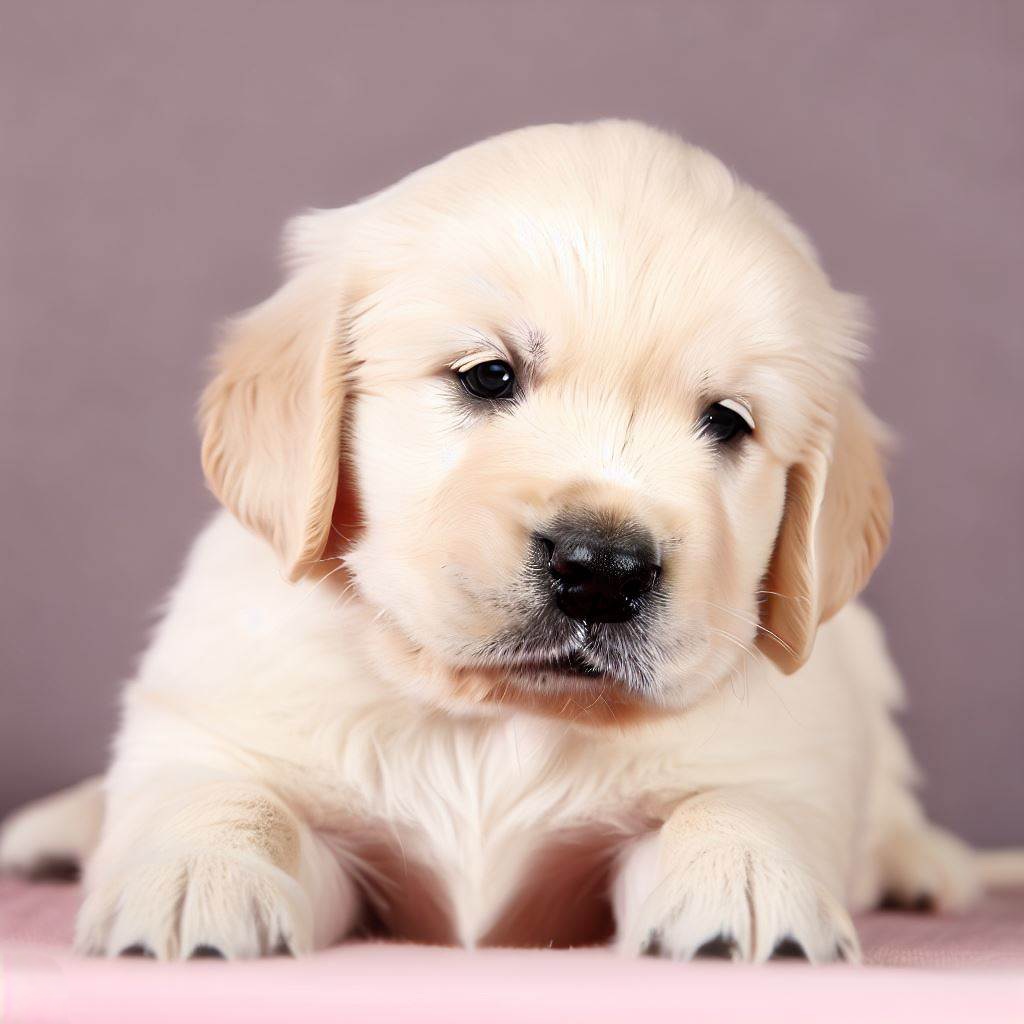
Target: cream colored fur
[(292, 752)]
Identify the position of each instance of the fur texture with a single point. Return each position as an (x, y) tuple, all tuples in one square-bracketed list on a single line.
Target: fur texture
[(336, 725)]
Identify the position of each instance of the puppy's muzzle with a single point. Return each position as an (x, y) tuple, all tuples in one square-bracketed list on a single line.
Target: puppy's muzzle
[(599, 575)]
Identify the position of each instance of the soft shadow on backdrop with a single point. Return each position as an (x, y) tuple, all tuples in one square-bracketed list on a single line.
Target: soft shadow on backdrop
[(152, 151)]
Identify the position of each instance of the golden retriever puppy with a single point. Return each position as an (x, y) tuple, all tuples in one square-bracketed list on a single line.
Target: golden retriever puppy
[(542, 472)]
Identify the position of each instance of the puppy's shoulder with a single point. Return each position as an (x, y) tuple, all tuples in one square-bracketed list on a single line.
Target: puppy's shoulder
[(231, 604), (853, 644), (225, 552)]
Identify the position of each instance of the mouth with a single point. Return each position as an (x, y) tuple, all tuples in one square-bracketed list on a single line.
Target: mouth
[(591, 681), (572, 665), (578, 659), (566, 687)]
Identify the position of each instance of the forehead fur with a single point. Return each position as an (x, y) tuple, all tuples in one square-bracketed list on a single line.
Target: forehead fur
[(612, 237)]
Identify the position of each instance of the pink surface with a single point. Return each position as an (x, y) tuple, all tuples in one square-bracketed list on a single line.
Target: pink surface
[(940, 970)]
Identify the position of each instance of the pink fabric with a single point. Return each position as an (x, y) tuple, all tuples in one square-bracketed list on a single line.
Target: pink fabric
[(938, 970)]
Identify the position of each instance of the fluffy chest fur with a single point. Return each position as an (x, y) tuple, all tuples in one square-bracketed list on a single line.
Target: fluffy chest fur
[(485, 832)]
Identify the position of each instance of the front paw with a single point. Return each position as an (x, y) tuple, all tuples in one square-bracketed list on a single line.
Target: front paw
[(193, 906), (728, 900)]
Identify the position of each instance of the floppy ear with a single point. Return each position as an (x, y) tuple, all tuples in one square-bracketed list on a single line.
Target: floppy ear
[(271, 418), (835, 528)]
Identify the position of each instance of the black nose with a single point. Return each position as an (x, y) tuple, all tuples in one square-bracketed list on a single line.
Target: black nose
[(600, 576)]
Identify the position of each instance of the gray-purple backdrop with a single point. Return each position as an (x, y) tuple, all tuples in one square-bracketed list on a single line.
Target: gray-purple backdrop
[(152, 151)]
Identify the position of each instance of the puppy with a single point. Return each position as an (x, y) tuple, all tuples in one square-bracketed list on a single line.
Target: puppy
[(542, 473)]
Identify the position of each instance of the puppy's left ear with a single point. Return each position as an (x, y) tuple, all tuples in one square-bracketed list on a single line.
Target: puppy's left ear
[(835, 529), (271, 418)]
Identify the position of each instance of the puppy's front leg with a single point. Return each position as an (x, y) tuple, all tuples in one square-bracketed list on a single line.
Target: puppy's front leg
[(213, 867), (732, 875)]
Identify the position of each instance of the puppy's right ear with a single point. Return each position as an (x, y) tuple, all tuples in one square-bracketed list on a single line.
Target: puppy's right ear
[(271, 418), (835, 528)]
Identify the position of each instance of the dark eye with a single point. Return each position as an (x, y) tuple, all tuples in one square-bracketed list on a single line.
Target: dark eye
[(493, 380), (722, 424)]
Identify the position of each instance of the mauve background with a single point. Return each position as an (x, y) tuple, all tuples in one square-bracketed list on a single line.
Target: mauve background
[(152, 151)]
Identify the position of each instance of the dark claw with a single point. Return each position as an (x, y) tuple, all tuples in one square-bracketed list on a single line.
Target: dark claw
[(138, 949), (652, 947), (206, 953), (719, 948), (54, 869), (923, 903), (789, 949)]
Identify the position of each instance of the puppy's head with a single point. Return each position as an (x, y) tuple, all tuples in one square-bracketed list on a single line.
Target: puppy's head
[(582, 407)]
